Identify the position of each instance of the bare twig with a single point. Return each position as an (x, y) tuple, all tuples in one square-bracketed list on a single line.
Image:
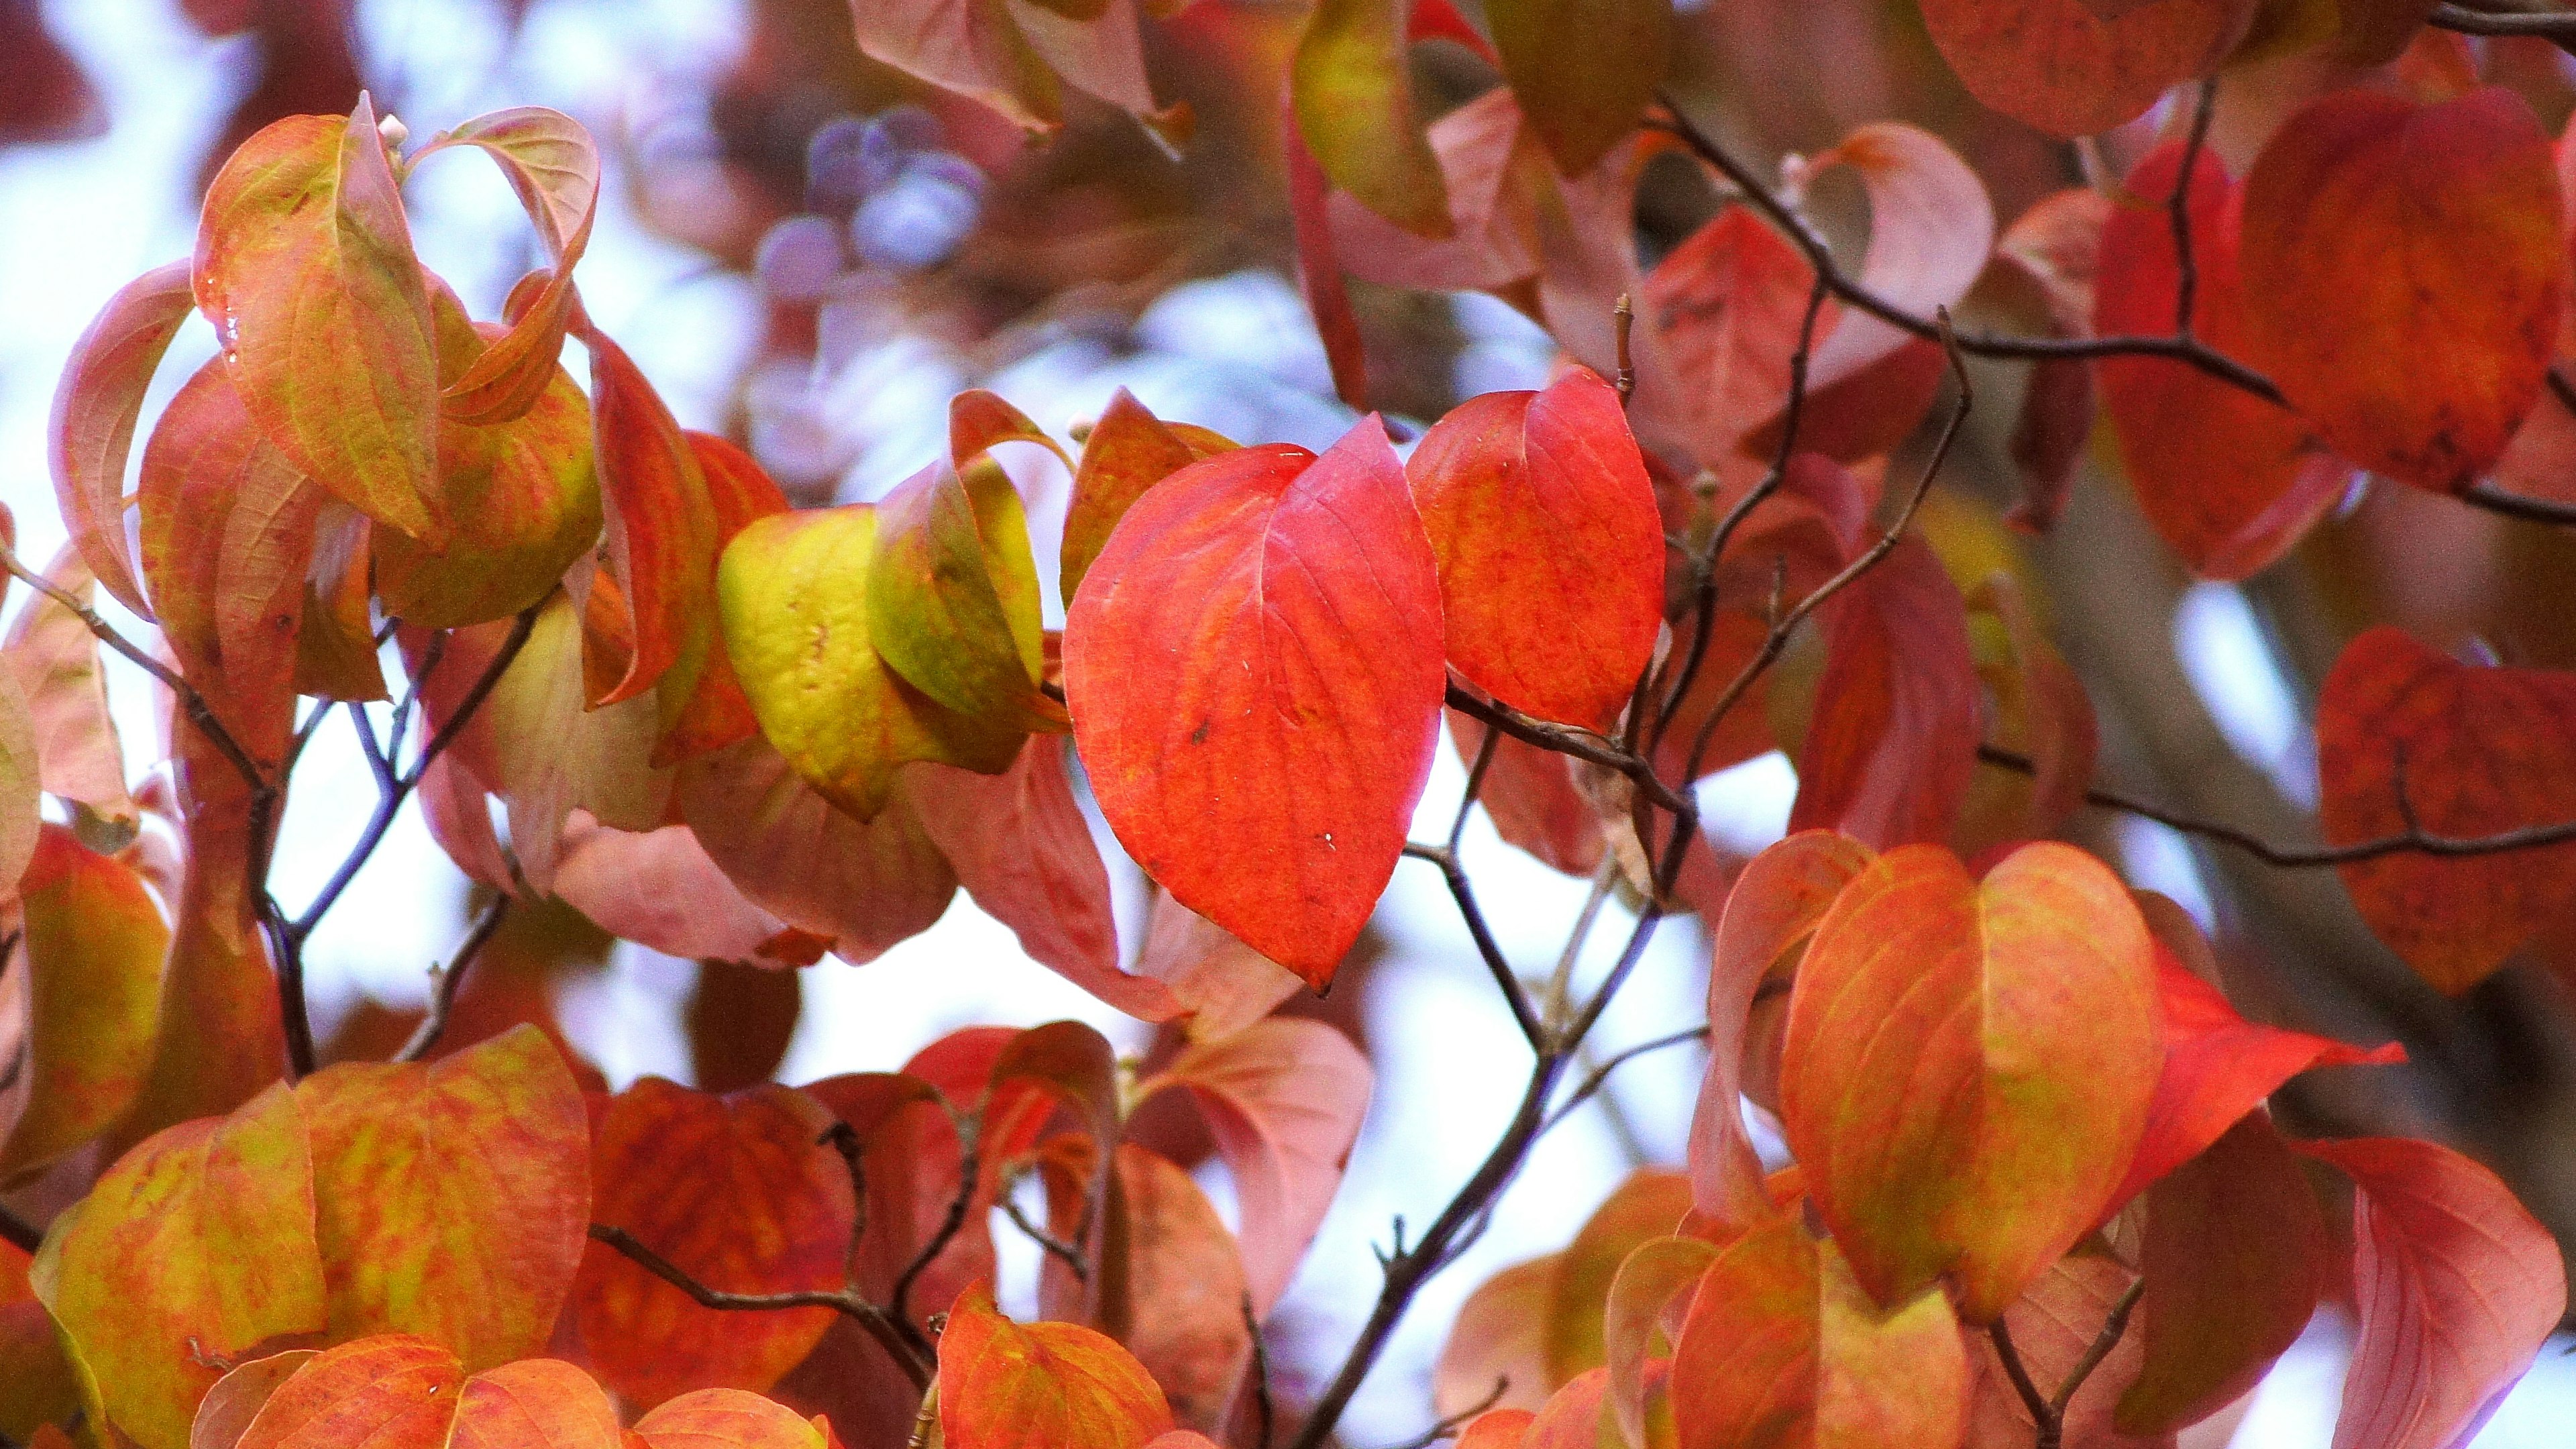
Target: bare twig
[(2518, 505), (2048, 1412), (1623, 319), (1448, 1427), (1566, 740), (2178, 209), (969, 1168), (1055, 1247), (1263, 1412), (1600, 1077), (844, 1301), (446, 980), (2555, 26)]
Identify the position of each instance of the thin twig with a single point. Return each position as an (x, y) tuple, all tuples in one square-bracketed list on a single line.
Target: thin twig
[(1601, 1075), (1623, 321), (446, 980), (841, 1300), (2518, 505), (2178, 209), (2555, 26), (2032, 1400), (1514, 995), (1566, 740), (969, 1168), (1055, 1247), (2113, 1326), (1447, 1428)]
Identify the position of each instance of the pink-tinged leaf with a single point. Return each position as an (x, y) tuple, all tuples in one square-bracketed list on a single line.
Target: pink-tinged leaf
[(911, 1165), (2235, 1256), (196, 1246), (391, 1391), (453, 1199), (1782, 1346), (304, 264), (661, 522), (54, 659), (236, 1398), (1649, 1283), (1533, 797), (1254, 671), (1497, 1429), (1352, 93), (2457, 1287), (2378, 233), (727, 1419), (1284, 1099), (1891, 747), (1550, 552), (1019, 59), (96, 405), (1650, 1204), (94, 946), (2054, 1324), (1176, 1298), (2055, 249), (2229, 480), (1021, 848), (1319, 270), (553, 165), (1499, 1338), (2218, 1067), (1004, 1385), (660, 889), (2071, 69), (1931, 228), (1583, 72), (740, 1193), (1494, 169), (1968, 1066), (1772, 911), (1222, 984), (1728, 305), (2408, 738), (862, 885), (458, 811)]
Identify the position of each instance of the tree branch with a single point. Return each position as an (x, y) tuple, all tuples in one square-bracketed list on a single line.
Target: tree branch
[(841, 1300), (1591, 1085), (445, 982), (2556, 26), (969, 1168)]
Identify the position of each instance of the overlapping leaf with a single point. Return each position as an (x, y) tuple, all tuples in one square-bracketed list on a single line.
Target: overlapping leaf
[(553, 165), (1128, 451), (728, 1419), (2075, 67), (1003, 1385), (54, 659), (1583, 73), (1020, 59), (715, 712), (94, 942), (394, 1391), (661, 525), (1352, 93), (1650, 1204), (96, 405)]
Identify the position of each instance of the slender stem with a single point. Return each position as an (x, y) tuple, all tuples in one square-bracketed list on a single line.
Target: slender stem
[(2178, 209), (2556, 26), (1263, 1411), (1448, 1426), (2114, 1325), (841, 1300), (969, 1169), (1567, 740), (1055, 1247), (446, 980), (1524, 1014), (1600, 1077)]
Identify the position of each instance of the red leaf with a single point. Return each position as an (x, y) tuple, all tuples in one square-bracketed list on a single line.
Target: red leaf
[(2071, 69), (1967, 1066), (452, 1200), (661, 889), (1319, 271), (1283, 1098), (1498, 1339), (2377, 234), (1004, 1385), (2408, 737), (1891, 748), (1532, 797), (323, 315), (1177, 1303), (2229, 480), (1550, 552), (95, 407), (1772, 911), (911, 1167), (392, 1391), (717, 713), (1494, 169), (1728, 303), (237, 1397), (1931, 229), (661, 521), (2457, 1287), (37, 1385), (2057, 245), (740, 1193), (2235, 1257), (1253, 666)]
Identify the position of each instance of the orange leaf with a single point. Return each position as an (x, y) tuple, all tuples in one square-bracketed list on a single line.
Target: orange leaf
[(1129, 451), (536, 1403), (1968, 1066), (1283, 1098), (2229, 480), (727, 1419), (911, 1169), (1728, 303), (196, 1246), (661, 522), (54, 659), (1637, 1317), (1176, 1297), (95, 408), (2457, 1287), (1550, 552), (2072, 70), (393, 1391), (1782, 1346), (1004, 1385), (741, 1194), (237, 1397), (2235, 1257), (553, 165), (1254, 670), (94, 942), (37, 1382), (453, 1198), (2405, 737), (2378, 234), (304, 264), (1498, 1340), (1650, 1204)]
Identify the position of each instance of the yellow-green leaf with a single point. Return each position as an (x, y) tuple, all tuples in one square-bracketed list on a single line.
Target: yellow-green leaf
[(1353, 94), (94, 947)]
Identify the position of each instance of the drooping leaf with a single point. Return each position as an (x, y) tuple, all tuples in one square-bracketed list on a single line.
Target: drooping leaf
[(2039, 711), (96, 405), (2071, 69), (2408, 737), (1319, 268), (1222, 983), (1891, 748), (2054, 1324), (1729, 303), (1550, 552), (394, 1391), (196, 1246), (1018, 59), (1637, 1323), (952, 594), (2457, 1287), (1129, 450), (1499, 1339), (2056, 247), (717, 713), (94, 943), (1352, 93), (2403, 270), (2235, 1256), (304, 264), (553, 165), (1583, 73), (1968, 1066), (1931, 228), (1650, 1204), (1495, 170), (54, 659), (1253, 668), (452, 1199), (1773, 910), (727, 1419), (1003, 1385), (794, 589), (1175, 1291), (1782, 1346), (2229, 480), (737, 1191), (661, 889), (1283, 1099), (661, 522), (237, 1397)]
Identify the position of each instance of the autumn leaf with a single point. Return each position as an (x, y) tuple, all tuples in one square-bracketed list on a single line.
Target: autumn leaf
[(1004, 1384), (94, 946), (54, 659), (304, 264), (1582, 73), (1128, 451), (1968, 1066), (1550, 552), (1499, 1338), (1650, 1204), (737, 1191), (1270, 797), (394, 1391), (1173, 1288), (553, 165), (1931, 229), (96, 405), (1533, 797), (952, 594), (1639, 1319), (715, 712), (37, 1385), (2410, 739), (661, 523), (1019, 59), (1352, 93), (728, 1419), (2457, 1287), (452, 1199), (196, 1246), (2403, 270), (660, 888), (2071, 70), (2054, 1325)]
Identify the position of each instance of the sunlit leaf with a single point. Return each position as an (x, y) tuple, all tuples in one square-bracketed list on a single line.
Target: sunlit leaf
[(952, 594), (1129, 450), (661, 522), (94, 943), (1650, 1204), (54, 659), (1352, 93), (1056, 1385), (553, 165), (726, 1419)]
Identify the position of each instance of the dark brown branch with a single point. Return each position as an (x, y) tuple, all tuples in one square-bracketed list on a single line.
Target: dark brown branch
[(1054, 1247), (1263, 1412), (1592, 1085), (2113, 1326), (2286, 857), (446, 980), (844, 1301), (1447, 1428), (2518, 505), (2556, 26), (2048, 1412), (1515, 995), (1566, 740), (2178, 209), (1623, 321), (970, 1167)]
